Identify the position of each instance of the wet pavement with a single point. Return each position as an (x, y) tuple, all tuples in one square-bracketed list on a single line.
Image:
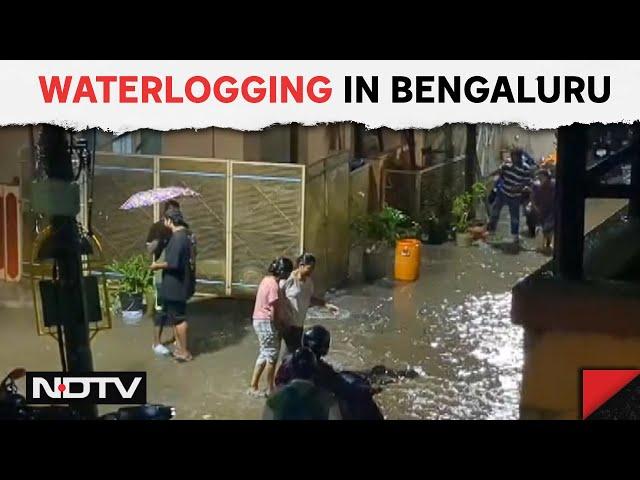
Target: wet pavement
[(452, 326)]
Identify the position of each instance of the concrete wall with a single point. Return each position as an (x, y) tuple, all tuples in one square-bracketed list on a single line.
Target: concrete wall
[(270, 145), (494, 138), (551, 376), (228, 144), (275, 144), (571, 325), (313, 144), (188, 143)]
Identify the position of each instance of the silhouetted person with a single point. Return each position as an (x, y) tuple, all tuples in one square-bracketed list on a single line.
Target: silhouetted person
[(302, 398)]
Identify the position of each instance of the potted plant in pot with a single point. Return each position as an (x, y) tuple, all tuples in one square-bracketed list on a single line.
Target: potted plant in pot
[(461, 210), (136, 279), (377, 232), (437, 230), (436, 219)]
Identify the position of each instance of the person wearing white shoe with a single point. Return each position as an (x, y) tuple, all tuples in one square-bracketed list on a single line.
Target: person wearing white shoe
[(161, 350), (157, 240), (178, 280)]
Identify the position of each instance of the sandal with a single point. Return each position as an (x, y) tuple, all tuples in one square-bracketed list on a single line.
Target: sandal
[(255, 393), (183, 358)]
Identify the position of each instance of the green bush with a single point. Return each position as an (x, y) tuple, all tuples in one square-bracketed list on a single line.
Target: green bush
[(136, 277), (380, 229)]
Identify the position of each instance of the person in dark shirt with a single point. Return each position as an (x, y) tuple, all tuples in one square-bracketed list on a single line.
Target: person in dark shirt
[(176, 287), (157, 240), (302, 398), (516, 176), (159, 234), (543, 205), (355, 397)]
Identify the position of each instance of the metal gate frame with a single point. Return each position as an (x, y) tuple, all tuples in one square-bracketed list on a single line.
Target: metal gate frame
[(229, 178)]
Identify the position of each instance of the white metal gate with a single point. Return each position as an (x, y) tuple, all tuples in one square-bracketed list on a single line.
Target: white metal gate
[(248, 213)]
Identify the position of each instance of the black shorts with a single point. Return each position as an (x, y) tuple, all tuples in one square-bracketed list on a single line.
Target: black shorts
[(173, 313)]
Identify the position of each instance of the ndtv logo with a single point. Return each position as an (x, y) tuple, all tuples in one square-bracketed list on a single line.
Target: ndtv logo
[(108, 388)]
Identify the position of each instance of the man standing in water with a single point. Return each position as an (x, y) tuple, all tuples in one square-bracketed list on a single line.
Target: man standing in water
[(157, 240), (515, 178), (177, 281)]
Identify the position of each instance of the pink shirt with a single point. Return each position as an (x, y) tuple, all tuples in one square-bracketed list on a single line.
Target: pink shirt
[(266, 299)]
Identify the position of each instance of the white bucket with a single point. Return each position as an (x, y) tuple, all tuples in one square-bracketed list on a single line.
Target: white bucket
[(132, 317)]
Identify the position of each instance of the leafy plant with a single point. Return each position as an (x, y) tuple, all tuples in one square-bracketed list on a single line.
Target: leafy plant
[(463, 203), (136, 277), (383, 228)]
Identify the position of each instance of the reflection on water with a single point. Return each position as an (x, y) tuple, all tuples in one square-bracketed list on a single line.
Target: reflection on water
[(476, 358), (452, 327), (468, 356)]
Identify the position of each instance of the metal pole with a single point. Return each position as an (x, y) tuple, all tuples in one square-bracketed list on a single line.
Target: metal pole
[(66, 252), (303, 213), (229, 231), (570, 201)]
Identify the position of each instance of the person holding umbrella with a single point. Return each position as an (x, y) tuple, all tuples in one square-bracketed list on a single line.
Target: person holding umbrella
[(157, 240), (177, 281), (179, 269)]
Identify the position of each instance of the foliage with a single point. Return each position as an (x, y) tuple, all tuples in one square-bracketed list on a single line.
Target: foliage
[(383, 228), (463, 204), (136, 277)]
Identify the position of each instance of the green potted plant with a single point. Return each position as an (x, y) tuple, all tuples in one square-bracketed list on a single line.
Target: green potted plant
[(461, 210), (135, 280), (377, 232)]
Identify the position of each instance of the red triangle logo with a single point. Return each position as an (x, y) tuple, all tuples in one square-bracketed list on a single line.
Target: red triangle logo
[(598, 386)]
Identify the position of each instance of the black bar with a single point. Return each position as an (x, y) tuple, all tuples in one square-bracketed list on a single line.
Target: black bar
[(603, 190), (570, 201), (470, 161)]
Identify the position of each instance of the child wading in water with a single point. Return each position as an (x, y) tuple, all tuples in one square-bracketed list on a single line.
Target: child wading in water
[(300, 295), (264, 324)]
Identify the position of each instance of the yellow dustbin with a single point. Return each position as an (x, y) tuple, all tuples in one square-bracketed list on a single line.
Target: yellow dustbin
[(407, 261)]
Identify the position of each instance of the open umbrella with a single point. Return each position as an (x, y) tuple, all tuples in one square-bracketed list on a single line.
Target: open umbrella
[(156, 195)]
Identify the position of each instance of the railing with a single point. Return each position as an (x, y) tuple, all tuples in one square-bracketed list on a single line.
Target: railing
[(414, 191)]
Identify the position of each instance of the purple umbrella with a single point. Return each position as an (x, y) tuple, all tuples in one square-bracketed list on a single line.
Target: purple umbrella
[(156, 195)]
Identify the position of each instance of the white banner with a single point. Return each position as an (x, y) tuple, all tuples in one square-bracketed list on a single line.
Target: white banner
[(125, 95)]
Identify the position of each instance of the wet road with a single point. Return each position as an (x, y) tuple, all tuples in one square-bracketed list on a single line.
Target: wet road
[(452, 326)]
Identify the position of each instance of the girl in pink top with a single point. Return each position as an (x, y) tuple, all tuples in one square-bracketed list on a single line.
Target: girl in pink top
[(264, 315)]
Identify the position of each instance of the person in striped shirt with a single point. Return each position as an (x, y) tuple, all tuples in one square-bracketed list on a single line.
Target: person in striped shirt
[(516, 176)]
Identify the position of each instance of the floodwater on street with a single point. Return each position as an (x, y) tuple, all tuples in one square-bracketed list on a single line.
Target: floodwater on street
[(452, 326)]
